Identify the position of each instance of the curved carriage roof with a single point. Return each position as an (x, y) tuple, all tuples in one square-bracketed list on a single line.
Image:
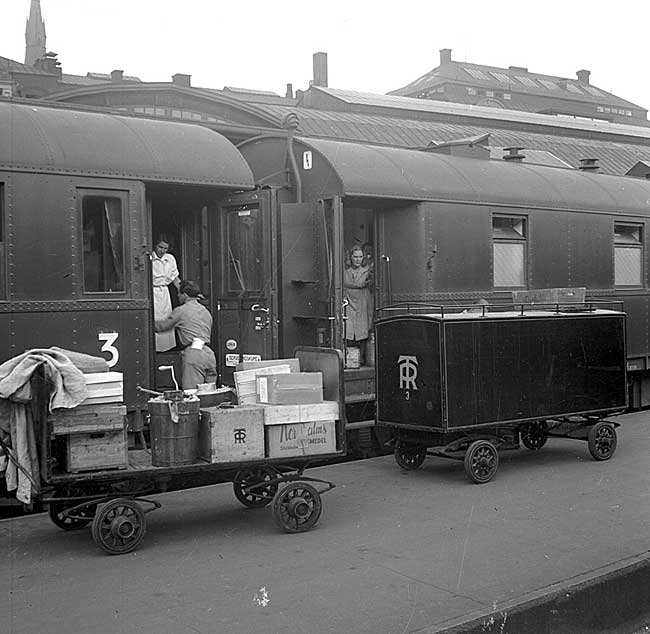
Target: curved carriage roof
[(45, 139), (395, 173)]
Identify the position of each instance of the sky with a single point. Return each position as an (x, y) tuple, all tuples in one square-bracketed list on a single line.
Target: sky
[(372, 45)]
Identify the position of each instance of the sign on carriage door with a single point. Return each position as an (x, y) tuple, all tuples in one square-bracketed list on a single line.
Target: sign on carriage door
[(246, 286)]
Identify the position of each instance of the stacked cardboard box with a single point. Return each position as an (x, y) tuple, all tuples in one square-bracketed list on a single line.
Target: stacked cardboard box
[(300, 430), (289, 389), (246, 381), (104, 387)]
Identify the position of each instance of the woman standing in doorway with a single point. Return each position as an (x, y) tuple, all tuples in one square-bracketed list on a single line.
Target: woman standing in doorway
[(357, 280), (164, 271)]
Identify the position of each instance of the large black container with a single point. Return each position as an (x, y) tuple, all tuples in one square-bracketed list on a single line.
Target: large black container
[(174, 429), (445, 372)]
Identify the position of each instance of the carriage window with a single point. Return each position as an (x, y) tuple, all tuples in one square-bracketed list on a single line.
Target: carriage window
[(628, 254), (103, 244), (244, 265), (509, 251)]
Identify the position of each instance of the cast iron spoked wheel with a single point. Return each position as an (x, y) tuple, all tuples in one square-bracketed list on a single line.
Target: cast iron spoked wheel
[(79, 518), (409, 457), (534, 435), (297, 507), (259, 497), (602, 440), (119, 526), (481, 461)]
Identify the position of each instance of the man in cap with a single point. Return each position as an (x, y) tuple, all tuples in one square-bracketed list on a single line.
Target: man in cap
[(193, 324)]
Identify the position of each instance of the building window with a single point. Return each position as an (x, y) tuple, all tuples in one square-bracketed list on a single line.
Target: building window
[(509, 251), (471, 91), (103, 243), (628, 254), (507, 96)]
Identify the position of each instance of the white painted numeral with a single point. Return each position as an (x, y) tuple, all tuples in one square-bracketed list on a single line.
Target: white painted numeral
[(109, 339)]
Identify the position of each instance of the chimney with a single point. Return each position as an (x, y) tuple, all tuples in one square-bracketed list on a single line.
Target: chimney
[(117, 75), (589, 165), (583, 77), (320, 70), (520, 69), (181, 79), (49, 64), (289, 93), (445, 56), (513, 154)]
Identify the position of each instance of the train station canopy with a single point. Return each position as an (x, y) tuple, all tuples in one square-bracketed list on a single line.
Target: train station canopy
[(395, 173), (54, 140)]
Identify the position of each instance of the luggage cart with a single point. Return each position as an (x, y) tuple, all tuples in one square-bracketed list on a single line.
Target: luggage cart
[(467, 382), (115, 502)]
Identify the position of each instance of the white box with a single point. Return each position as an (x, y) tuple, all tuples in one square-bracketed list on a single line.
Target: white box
[(304, 413), (246, 385), (104, 387)]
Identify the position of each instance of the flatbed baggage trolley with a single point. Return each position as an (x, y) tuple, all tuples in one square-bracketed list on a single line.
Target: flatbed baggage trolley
[(115, 501), (466, 382)]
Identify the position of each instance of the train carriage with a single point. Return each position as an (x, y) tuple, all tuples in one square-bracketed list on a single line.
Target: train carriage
[(81, 196), (450, 230)]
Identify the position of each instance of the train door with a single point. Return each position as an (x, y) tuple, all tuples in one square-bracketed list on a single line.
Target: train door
[(310, 275), (246, 288)]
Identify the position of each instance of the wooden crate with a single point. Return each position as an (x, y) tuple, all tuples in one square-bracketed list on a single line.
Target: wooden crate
[(231, 434), (87, 418), (97, 450)]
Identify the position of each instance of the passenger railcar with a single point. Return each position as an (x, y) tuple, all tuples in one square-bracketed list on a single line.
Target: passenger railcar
[(449, 230), (81, 195)]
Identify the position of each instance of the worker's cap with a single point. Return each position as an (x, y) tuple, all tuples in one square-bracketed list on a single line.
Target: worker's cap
[(190, 288)]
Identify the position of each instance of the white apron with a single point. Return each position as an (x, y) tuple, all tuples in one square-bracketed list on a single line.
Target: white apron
[(162, 308)]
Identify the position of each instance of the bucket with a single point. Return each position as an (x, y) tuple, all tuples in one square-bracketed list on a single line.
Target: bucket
[(174, 430)]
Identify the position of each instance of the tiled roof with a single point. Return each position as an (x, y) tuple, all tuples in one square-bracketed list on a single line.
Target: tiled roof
[(614, 157), (361, 100), (10, 66), (513, 79)]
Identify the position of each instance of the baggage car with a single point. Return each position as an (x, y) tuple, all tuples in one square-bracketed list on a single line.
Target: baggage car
[(464, 384)]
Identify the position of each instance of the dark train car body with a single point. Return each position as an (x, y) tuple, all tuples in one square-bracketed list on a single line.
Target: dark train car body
[(82, 195), (458, 371), (448, 230)]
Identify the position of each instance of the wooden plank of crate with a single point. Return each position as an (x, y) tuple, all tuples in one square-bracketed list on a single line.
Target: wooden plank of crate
[(97, 450)]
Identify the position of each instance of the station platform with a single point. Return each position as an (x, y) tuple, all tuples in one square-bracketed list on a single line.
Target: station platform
[(555, 543)]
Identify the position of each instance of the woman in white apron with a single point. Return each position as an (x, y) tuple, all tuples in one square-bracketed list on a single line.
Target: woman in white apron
[(164, 271)]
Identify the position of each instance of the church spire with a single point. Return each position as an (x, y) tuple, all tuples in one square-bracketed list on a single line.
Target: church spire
[(34, 34)]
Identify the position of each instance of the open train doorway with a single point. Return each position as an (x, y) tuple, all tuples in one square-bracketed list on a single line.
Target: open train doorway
[(181, 218)]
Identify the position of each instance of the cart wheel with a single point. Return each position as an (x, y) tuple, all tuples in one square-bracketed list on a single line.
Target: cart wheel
[(81, 517), (602, 440), (534, 435), (119, 526), (297, 507), (260, 496), (481, 461), (409, 457)]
